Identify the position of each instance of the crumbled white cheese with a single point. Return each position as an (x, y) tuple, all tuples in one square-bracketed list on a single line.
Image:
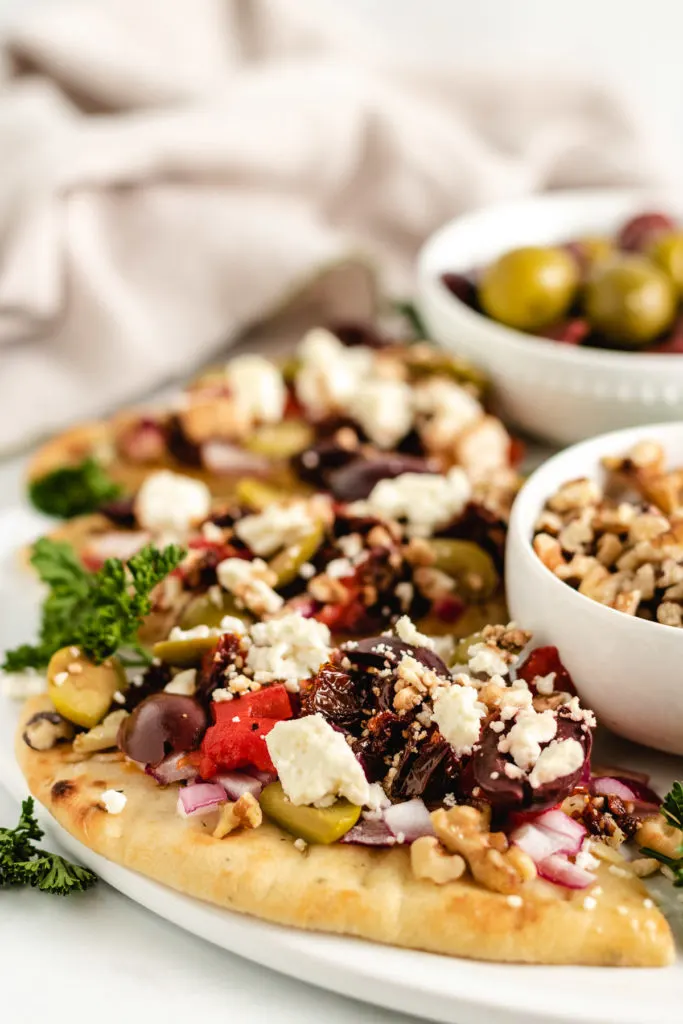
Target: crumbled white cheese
[(231, 624), (184, 683), (170, 502), (339, 568), (257, 388), (514, 900), (488, 660), (514, 700), (307, 571), (288, 649), (246, 580), (459, 714), (559, 758), (300, 845), (113, 801), (351, 545), (450, 407), (589, 903), (545, 685), (200, 632), (524, 740), (278, 525), (384, 409), (212, 533), (315, 764), (579, 714), (407, 631), (426, 501), (20, 685), (329, 373)]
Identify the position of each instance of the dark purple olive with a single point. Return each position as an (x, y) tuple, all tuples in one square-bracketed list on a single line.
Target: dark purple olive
[(356, 480), (553, 792), (382, 738), (315, 464), (180, 446), (163, 724), (120, 512), (462, 287), (639, 231), (377, 651), (428, 770), (352, 334)]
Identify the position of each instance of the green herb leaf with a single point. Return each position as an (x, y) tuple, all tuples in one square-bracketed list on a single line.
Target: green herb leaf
[(672, 812), (21, 863), (73, 490), (408, 310), (100, 612)]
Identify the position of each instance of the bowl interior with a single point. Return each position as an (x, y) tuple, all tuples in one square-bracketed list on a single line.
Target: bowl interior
[(584, 460)]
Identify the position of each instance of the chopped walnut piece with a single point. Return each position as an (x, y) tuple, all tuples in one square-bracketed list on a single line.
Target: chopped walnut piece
[(429, 860), (576, 535), (244, 813), (670, 614), (433, 583), (327, 589), (549, 522), (575, 494), (627, 601), (206, 419), (498, 866), (549, 550), (609, 549), (418, 552)]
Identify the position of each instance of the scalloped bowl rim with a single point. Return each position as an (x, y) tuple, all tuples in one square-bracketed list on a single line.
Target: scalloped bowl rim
[(523, 516), (432, 263)]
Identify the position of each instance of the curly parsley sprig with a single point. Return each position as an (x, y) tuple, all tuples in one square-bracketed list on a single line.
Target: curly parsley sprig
[(672, 812), (100, 612), (22, 863), (73, 490)]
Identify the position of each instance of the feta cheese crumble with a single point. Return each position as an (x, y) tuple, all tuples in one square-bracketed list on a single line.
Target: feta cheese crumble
[(183, 683), (278, 525), (257, 388), (249, 582), (383, 408), (287, 650), (315, 763), (459, 714), (407, 631), (488, 660), (524, 740), (426, 501), (560, 758), (113, 801), (330, 373), (170, 502)]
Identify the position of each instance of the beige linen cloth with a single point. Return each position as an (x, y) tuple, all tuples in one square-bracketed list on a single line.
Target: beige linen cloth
[(172, 172)]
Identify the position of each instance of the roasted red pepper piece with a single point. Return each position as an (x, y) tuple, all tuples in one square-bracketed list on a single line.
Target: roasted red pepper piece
[(230, 745), (270, 702), (541, 662)]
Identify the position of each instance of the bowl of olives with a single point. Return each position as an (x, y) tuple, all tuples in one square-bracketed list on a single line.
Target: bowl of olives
[(571, 302)]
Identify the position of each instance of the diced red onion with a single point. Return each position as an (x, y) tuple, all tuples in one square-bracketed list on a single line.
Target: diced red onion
[(121, 544), (627, 775), (642, 793), (229, 460), (171, 770), (265, 778), (571, 833), (605, 785), (370, 832), (538, 843), (561, 871), (236, 784), (200, 798), (409, 820)]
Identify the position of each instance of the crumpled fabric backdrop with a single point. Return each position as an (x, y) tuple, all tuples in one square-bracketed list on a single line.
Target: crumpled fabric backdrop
[(176, 171)]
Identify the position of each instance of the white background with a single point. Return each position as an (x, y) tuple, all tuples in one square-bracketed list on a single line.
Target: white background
[(102, 959)]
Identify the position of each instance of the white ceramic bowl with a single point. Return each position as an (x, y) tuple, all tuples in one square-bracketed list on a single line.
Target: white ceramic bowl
[(629, 670), (560, 393)]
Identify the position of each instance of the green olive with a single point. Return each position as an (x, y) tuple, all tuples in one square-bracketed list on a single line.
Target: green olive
[(529, 288), (630, 300), (667, 252), (289, 369), (468, 564), (255, 494), (187, 653), (82, 691), (594, 249), (280, 440), (204, 610), (286, 563), (461, 650), (314, 824)]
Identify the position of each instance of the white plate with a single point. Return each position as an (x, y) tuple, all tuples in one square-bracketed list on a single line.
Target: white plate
[(441, 988)]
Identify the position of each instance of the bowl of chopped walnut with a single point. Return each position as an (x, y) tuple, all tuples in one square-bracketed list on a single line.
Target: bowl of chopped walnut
[(594, 565)]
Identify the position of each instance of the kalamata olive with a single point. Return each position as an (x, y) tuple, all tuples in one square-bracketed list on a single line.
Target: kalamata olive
[(180, 446), (462, 287), (377, 651), (639, 231), (120, 511), (667, 252), (316, 463), (630, 301), (356, 480), (570, 332), (529, 288), (163, 724), (353, 334), (428, 770)]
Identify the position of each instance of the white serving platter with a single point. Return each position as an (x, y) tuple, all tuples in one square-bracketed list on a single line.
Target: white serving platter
[(439, 988)]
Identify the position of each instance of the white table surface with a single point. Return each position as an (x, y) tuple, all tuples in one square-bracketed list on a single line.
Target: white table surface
[(98, 958)]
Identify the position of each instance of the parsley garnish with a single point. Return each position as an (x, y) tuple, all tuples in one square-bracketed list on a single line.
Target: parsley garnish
[(73, 490), (408, 310), (22, 863), (672, 812), (100, 612)]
